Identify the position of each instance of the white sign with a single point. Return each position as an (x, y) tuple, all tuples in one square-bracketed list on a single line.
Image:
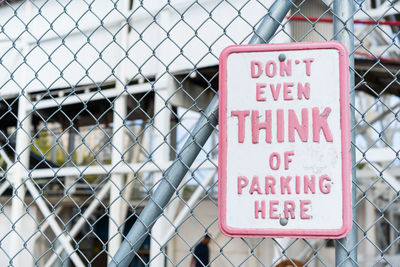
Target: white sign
[(284, 141)]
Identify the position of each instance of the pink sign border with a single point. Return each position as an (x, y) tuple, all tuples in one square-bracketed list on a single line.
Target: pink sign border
[(345, 133)]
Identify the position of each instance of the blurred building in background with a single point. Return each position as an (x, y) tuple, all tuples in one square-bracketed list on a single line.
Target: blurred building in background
[(98, 96)]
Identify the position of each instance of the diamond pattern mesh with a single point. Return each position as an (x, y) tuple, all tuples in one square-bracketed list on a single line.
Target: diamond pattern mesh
[(97, 100)]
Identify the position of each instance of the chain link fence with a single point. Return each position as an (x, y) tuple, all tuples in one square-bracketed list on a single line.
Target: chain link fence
[(104, 102)]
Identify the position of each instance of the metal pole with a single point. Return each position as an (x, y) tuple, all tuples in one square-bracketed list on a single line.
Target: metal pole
[(271, 22), (175, 173), (167, 187), (343, 25)]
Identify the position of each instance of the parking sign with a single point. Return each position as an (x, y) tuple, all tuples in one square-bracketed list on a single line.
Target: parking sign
[(284, 141)]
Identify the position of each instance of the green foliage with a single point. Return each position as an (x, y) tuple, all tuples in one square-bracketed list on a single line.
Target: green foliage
[(42, 144), (42, 147)]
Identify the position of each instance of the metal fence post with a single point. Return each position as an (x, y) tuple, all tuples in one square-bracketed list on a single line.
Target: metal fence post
[(174, 175), (343, 24)]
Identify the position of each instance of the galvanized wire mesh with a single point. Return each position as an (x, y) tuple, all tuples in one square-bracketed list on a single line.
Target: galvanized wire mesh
[(98, 97)]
